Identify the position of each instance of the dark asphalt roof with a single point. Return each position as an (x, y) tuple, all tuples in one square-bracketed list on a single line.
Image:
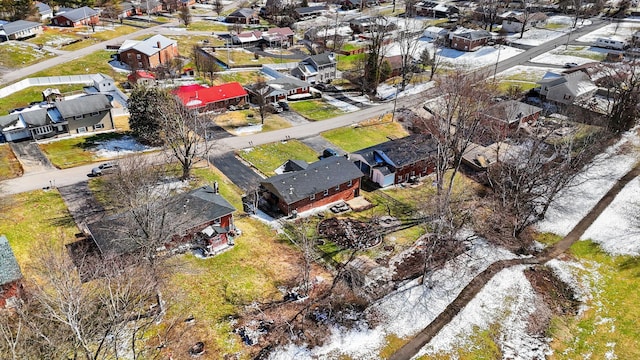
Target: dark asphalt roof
[(17, 26), (8, 120), (35, 117), (79, 13), (9, 268), (322, 59), (243, 12), (113, 234), (83, 105), (511, 111), (401, 152), (295, 165), (316, 178), (309, 9), (43, 8)]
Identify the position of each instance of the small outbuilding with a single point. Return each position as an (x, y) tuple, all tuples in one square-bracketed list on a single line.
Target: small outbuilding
[(10, 276)]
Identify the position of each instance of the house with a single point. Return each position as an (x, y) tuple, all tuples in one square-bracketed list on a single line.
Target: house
[(10, 276), (395, 63), (204, 98), (244, 16), (435, 33), (76, 17), (281, 88), (367, 23), (358, 4), (434, 9), (151, 7), (19, 30), (149, 53), (201, 217), (397, 161), (321, 183), (514, 21), (480, 158), (51, 95), (469, 40), (44, 10), (326, 34), (77, 116), (566, 88), (281, 37), (319, 68), (310, 12), (507, 116), (129, 9), (247, 37), (141, 77)]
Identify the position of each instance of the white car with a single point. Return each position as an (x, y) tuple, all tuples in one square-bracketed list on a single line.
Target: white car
[(103, 168)]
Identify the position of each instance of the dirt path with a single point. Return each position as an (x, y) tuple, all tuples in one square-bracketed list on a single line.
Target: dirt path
[(411, 348)]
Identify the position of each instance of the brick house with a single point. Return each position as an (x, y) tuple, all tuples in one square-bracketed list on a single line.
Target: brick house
[(507, 116), (10, 276), (244, 16), (85, 114), (397, 161), (207, 98), (469, 40), (149, 53), (76, 17), (282, 88), (201, 217), (278, 37), (320, 183)]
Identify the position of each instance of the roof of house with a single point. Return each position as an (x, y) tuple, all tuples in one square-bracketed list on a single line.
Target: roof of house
[(148, 46), (401, 152), (83, 105), (394, 61), (9, 122), (198, 95), (317, 177), (473, 34), (140, 74), (149, 4), (43, 8), (287, 83), (310, 9), (511, 111), (9, 268), (248, 36), (78, 14), (436, 30), (113, 234), (51, 91), (325, 58), (17, 26), (244, 12)]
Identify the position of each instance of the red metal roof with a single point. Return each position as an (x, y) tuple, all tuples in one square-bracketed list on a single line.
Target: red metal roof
[(198, 95)]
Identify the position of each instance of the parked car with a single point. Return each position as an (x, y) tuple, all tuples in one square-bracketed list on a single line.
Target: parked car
[(570, 65), (283, 105), (274, 108), (329, 152), (103, 168)]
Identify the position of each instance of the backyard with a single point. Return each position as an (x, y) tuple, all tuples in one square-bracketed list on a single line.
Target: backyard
[(315, 109), (268, 157), (9, 165), (24, 97), (366, 135), (76, 151), (241, 122)]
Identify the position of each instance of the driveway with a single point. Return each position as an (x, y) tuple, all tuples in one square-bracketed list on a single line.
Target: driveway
[(318, 143), (82, 205), (30, 157), (239, 173)]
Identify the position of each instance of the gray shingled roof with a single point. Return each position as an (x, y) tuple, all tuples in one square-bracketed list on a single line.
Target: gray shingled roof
[(83, 105), (316, 178), (310, 9), (150, 47), (79, 13), (43, 8), (8, 120), (511, 111), (9, 268), (401, 152), (35, 117), (113, 234), (17, 26), (322, 59), (243, 12)]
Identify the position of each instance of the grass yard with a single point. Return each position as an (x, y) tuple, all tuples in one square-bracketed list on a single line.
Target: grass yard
[(268, 157), (243, 77), (241, 57), (315, 109), (9, 165), (349, 62), (34, 219), (121, 122), (187, 42), (581, 51), (524, 86), (351, 139), (233, 121), (207, 26), (107, 32), (610, 322), (75, 151), (16, 55), (24, 97), (55, 37)]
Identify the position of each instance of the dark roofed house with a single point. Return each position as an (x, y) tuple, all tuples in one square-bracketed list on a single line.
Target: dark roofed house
[(397, 161), (321, 183), (310, 11), (76, 17), (44, 10), (243, 16), (201, 217), (319, 68), (10, 276), (507, 116), (284, 87), (18, 30)]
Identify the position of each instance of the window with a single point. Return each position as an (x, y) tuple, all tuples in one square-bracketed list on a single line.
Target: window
[(129, 56), (78, 117), (326, 192), (94, 113), (138, 56), (350, 183), (312, 197), (98, 126), (139, 64), (82, 130), (338, 188)]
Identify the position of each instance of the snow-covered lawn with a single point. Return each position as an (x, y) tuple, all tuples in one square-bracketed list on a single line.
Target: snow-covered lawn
[(524, 73), (572, 54), (613, 230), (405, 311), (386, 91), (484, 56), (344, 106), (621, 31), (113, 148), (537, 36)]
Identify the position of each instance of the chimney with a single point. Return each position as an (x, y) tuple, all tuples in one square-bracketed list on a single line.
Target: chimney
[(158, 43)]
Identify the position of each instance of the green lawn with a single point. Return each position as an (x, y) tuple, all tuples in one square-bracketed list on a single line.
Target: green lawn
[(243, 77), (315, 109), (268, 157), (524, 86), (34, 93), (241, 57), (75, 151), (17, 55), (581, 51), (187, 42), (207, 26), (612, 314), (232, 121), (351, 139), (9, 165), (349, 62)]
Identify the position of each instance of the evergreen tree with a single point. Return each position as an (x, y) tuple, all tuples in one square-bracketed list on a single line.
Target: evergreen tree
[(145, 108)]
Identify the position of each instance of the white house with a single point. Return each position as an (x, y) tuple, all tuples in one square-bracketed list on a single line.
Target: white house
[(435, 32)]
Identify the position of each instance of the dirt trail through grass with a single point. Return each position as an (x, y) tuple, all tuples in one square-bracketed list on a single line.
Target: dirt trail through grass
[(411, 348)]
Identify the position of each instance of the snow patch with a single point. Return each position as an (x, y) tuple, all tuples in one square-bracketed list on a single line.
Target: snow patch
[(118, 147)]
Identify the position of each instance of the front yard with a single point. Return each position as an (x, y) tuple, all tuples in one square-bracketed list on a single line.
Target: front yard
[(248, 121), (268, 157), (15, 55), (315, 109), (366, 135), (9, 165), (242, 57)]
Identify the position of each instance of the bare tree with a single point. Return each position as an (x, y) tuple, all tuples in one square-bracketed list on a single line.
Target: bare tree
[(407, 40), (185, 15), (622, 82), (205, 64), (379, 32), (218, 7), (260, 91), (301, 234), (525, 16), (488, 10)]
